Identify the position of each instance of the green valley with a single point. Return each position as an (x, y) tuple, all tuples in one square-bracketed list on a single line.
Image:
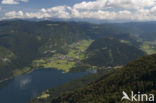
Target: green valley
[(75, 53)]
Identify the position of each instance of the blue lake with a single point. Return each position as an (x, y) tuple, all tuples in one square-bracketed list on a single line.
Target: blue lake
[(21, 89)]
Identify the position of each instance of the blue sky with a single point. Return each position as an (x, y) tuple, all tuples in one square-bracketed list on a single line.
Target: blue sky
[(113, 10), (34, 5), (37, 4)]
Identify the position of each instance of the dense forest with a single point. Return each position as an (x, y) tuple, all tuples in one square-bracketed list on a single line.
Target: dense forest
[(111, 52), (138, 75)]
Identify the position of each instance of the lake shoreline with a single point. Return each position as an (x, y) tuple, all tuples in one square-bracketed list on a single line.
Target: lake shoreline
[(12, 77), (33, 83)]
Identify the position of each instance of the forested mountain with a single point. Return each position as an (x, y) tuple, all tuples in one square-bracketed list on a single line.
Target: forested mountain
[(23, 43), (138, 75), (108, 51), (145, 30), (30, 40)]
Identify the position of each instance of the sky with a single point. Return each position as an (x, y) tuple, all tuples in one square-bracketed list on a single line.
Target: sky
[(110, 10)]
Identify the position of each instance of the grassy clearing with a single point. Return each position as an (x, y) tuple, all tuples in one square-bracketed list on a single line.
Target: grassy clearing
[(125, 41), (78, 50), (60, 64), (149, 47), (58, 61), (18, 72), (44, 96)]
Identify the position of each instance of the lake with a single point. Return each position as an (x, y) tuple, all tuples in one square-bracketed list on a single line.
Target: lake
[(21, 89)]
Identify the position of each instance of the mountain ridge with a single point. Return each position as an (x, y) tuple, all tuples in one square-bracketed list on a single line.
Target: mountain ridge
[(136, 76)]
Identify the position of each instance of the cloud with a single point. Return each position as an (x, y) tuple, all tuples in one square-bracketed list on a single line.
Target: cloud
[(99, 4), (115, 4), (130, 4), (14, 14), (141, 10), (9, 2), (12, 2)]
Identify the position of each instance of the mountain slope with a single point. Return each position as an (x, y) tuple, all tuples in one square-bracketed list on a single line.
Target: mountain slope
[(6, 56), (30, 40), (111, 52), (138, 75)]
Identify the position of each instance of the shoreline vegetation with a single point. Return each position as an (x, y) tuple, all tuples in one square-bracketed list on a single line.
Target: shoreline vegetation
[(17, 73)]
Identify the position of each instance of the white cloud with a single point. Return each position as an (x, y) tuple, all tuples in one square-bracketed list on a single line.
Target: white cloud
[(141, 10), (9, 2), (130, 4), (14, 14), (90, 5), (54, 9), (115, 4), (54, 12), (13, 2)]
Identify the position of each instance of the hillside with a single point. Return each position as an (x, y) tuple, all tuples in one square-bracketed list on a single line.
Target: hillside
[(138, 75), (6, 56), (28, 41), (111, 52)]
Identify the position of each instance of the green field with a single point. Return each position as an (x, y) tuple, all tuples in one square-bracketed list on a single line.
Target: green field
[(18, 72), (149, 47)]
